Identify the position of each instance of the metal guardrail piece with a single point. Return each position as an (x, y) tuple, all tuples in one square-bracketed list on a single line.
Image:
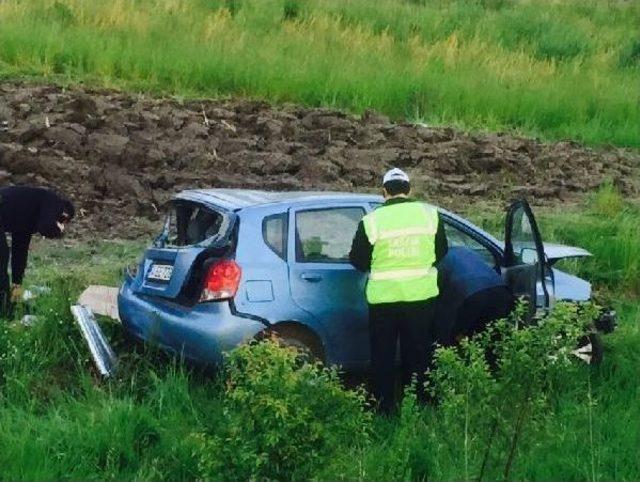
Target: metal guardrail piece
[(103, 356)]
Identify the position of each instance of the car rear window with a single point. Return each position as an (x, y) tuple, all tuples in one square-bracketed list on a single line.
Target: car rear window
[(192, 223), (274, 232)]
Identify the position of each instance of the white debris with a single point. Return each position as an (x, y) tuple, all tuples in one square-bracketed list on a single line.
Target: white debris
[(102, 300), (29, 320)]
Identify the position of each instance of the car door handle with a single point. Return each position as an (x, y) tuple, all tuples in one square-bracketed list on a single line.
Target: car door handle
[(311, 277)]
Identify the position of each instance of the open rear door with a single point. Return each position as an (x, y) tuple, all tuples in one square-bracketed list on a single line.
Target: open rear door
[(526, 270)]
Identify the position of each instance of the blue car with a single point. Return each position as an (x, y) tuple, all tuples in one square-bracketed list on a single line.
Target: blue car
[(234, 265)]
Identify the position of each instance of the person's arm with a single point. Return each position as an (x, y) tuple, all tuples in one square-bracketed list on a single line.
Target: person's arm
[(19, 254), (442, 246), (361, 249), (47, 220)]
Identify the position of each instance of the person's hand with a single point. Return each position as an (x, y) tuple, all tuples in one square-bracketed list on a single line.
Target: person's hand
[(16, 293)]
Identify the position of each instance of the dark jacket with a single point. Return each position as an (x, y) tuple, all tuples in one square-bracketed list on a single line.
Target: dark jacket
[(361, 248), (462, 273), (25, 211), (472, 293)]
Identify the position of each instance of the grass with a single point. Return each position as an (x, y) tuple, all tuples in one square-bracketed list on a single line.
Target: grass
[(553, 69), (160, 419)]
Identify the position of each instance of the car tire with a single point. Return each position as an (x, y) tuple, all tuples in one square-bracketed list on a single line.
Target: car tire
[(590, 344), (301, 339)]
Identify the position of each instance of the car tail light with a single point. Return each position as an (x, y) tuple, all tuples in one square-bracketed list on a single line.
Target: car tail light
[(222, 281)]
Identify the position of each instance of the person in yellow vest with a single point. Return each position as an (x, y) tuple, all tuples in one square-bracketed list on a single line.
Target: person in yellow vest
[(399, 244)]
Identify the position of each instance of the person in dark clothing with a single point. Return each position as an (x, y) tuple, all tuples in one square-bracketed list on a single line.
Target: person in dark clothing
[(25, 211), (473, 294), (399, 243)]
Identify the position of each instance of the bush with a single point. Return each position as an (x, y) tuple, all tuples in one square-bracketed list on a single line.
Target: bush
[(283, 417), (494, 389), (493, 397)]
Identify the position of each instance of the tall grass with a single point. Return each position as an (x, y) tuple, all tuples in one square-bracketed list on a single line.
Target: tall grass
[(556, 69)]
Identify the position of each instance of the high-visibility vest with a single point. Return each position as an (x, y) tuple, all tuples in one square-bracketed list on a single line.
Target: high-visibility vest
[(403, 237)]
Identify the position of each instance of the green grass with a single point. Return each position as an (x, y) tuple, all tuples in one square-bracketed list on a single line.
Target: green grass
[(555, 69), (159, 419)]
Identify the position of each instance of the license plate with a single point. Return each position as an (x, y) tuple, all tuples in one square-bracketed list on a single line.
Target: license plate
[(160, 272)]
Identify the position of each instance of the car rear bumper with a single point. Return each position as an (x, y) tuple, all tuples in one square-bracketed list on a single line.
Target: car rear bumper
[(201, 333)]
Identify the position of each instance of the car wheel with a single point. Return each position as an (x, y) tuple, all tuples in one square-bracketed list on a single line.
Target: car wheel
[(304, 341), (590, 349)]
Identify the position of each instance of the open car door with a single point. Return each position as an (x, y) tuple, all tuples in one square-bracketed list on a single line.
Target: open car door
[(526, 269)]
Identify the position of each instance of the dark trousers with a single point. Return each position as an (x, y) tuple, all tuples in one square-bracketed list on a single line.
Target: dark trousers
[(5, 282), (412, 325)]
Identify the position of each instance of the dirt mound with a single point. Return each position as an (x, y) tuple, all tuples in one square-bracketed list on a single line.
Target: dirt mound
[(121, 156)]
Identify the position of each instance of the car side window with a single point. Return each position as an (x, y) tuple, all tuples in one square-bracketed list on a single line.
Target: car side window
[(325, 235), (274, 233), (456, 237)]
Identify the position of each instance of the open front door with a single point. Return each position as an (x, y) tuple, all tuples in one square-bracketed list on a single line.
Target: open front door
[(526, 270)]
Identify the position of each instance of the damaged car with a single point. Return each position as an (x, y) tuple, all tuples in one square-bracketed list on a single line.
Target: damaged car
[(231, 266)]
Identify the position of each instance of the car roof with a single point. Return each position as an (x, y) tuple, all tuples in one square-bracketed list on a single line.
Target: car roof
[(236, 199)]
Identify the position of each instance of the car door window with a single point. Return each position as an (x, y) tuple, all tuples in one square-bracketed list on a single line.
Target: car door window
[(528, 272), (274, 233), (456, 237), (325, 235), (523, 239)]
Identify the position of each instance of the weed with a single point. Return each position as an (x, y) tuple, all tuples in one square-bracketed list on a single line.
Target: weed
[(291, 9), (607, 201), (630, 56)]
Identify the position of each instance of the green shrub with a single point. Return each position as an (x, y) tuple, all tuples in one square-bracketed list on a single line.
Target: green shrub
[(494, 389), (283, 418), (492, 398)]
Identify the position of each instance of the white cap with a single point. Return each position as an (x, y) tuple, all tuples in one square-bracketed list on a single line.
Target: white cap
[(395, 174)]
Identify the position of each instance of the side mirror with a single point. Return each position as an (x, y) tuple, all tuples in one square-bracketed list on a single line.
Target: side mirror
[(528, 256)]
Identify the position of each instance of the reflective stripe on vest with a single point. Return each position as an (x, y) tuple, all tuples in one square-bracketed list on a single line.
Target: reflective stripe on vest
[(402, 273), (403, 239)]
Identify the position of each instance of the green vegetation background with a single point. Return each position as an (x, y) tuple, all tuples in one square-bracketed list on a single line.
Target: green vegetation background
[(557, 69)]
